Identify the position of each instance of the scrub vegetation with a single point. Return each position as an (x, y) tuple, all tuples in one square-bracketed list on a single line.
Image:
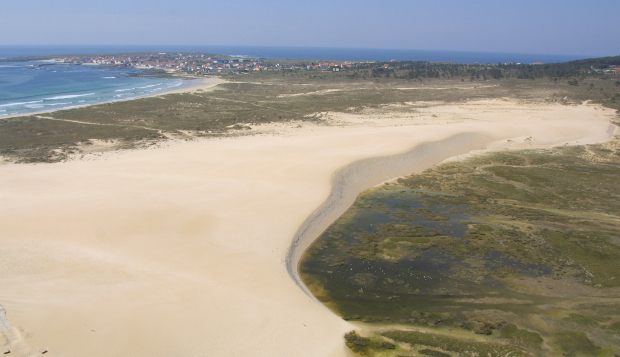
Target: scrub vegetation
[(286, 95), (513, 253)]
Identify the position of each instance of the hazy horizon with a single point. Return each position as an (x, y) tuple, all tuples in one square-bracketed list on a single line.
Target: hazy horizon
[(529, 27), (169, 45)]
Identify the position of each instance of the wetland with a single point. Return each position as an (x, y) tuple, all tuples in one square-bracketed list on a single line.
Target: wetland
[(508, 253)]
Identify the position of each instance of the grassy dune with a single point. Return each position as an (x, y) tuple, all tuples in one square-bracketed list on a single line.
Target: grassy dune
[(265, 97)]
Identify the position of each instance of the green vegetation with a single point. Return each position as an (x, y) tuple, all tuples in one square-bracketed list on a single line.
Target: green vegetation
[(422, 69), (463, 347), (32, 139), (510, 253), (256, 98)]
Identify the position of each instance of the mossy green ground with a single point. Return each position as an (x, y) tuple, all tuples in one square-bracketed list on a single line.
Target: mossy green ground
[(511, 253)]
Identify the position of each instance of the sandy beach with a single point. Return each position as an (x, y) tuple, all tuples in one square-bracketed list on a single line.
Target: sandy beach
[(191, 248), (201, 84)]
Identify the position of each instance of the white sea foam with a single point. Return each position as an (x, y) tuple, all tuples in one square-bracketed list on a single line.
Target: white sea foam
[(68, 96), (19, 103), (8, 66), (56, 101), (152, 85)]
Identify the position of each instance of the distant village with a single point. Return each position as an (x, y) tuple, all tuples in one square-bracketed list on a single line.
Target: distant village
[(197, 64)]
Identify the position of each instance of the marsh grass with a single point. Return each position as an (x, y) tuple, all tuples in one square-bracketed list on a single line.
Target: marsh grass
[(522, 246), (463, 347)]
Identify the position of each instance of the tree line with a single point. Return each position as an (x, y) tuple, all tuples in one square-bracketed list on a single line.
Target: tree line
[(424, 69)]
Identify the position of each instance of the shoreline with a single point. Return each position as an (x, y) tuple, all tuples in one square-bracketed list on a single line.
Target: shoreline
[(206, 232), (353, 179), (204, 84)]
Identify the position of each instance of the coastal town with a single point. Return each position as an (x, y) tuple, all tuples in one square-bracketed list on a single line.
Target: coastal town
[(193, 65), (199, 64), (203, 65)]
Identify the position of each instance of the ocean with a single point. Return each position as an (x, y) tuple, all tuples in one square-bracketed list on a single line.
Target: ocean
[(317, 53), (31, 87)]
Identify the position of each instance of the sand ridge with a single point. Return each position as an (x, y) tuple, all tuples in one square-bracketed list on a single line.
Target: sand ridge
[(185, 249)]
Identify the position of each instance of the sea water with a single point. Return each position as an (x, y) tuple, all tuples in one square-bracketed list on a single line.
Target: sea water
[(31, 87)]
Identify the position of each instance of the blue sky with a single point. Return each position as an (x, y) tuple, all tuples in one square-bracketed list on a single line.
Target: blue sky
[(526, 26)]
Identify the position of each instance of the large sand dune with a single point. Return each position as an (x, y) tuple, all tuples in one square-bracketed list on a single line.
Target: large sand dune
[(185, 250)]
